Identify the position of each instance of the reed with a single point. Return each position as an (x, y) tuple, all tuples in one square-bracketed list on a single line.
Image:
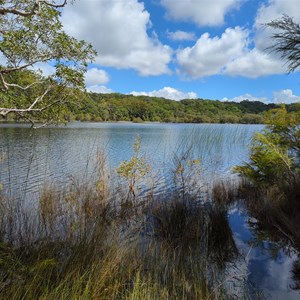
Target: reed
[(90, 240)]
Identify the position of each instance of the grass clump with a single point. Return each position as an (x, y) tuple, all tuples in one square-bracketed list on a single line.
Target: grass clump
[(97, 239)]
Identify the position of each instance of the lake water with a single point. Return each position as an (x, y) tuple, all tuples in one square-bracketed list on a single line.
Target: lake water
[(31, 158)]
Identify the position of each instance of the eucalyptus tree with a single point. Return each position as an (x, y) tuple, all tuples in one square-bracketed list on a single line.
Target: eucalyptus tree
[(31, 36)]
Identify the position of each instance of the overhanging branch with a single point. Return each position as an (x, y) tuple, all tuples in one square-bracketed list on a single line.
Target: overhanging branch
[(34, 10)]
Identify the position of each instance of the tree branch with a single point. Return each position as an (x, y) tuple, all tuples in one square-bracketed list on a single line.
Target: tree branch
[(9, 70), (287, 40), (34, 10), (4, 111), (6, 85)]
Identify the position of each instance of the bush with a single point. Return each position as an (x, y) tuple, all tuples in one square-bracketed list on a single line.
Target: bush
[(275, 153)]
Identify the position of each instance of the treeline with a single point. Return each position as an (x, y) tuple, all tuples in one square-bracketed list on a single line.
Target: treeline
[(119, 107)]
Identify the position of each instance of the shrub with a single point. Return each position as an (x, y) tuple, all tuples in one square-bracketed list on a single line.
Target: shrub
[(275, 153)]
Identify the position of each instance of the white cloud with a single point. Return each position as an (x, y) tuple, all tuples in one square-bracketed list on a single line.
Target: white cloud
[(285, 96), (118, 31), (101, 89), (258, 61), (210, 55), (210, 12), (274, 9), (180, 35), (268, 12), (254, 63), (96, 76), (235, 53), (246, 97), (168, 93), (230, 54), (44, 68)]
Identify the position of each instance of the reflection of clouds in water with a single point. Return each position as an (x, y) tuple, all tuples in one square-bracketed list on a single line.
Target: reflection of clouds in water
[(273, 276), (280, 273)]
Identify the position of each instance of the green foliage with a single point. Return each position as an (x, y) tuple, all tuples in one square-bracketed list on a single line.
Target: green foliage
[(118, 107), (186, 174), (135, 168), (32, 33), (275, 153)]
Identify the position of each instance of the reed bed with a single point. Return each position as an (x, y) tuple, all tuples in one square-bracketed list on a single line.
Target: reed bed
[(97, 239)]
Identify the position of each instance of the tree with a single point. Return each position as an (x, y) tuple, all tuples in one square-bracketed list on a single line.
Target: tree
[(275, 153), (134, 169), (31, 33), (287, 40)]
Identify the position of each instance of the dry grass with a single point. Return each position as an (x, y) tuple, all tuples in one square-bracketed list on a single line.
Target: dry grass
[(89, 241)]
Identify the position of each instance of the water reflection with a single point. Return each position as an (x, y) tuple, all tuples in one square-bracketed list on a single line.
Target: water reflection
[(270, 262)]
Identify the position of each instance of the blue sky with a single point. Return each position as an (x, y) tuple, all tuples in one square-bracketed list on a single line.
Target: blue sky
[(212, 49)]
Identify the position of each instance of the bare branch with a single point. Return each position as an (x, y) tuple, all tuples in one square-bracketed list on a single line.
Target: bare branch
[(29, 64), (39, 98), (6, 85), (30, 120), (54, 5), (3, 82), (4, 111), (34, 10), (24, 88)]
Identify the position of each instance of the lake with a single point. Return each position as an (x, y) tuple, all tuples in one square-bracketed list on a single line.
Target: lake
[(31, 158)]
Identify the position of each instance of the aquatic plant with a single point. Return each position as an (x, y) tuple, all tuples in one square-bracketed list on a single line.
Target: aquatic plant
[(134, 169), (77, 243)]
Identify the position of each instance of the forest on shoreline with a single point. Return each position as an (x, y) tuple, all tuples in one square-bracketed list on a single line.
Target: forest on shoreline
[(120, 107), (114, 107)]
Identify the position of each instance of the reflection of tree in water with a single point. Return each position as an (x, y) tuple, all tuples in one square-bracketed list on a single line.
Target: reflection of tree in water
[(201, 230), (296, 275), (277, 223), (220, 243)]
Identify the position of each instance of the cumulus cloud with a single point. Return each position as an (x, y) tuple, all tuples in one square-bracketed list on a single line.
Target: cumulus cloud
[(96, 76), (210, 55), (118, 31), (101, 89), (285, 96), (254, 63), (246, 97), (274, 9), (168, 93), (271, 62), (268, 12), (180, 35), (230, 54), (238, 52), (210, 12)]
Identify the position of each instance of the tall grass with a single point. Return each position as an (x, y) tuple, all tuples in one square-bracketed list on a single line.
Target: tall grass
[(90, 240)]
